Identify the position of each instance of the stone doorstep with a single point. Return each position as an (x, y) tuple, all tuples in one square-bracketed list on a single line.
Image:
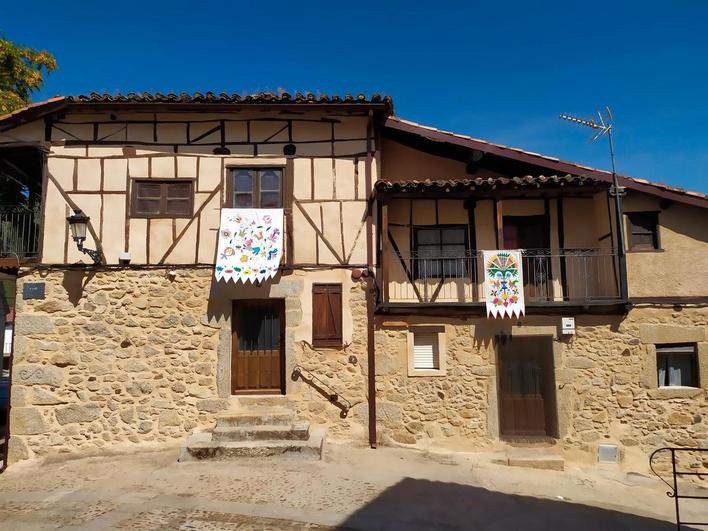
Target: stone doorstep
[(251, 401), (299, 430), (253, 417), (533, 458), (201, 446)]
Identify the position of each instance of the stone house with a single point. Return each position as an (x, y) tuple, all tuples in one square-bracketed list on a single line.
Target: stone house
[(375, 326)]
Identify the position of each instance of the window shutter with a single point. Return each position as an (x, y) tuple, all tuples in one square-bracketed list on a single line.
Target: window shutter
[(425, 351), (327, 315)]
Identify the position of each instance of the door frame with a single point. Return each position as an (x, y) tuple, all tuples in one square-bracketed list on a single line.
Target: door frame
[(551, 413), (236, 306)]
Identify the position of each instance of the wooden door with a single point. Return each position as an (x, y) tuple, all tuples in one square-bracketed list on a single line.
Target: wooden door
[(526, 387), (257, 347)]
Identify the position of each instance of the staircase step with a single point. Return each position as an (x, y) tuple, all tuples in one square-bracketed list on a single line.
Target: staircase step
[(201, 446), (535, 459), (299, 430), (260, 401), (253, 417)]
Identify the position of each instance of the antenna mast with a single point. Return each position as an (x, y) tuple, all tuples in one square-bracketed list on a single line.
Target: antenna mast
[(602, 127)]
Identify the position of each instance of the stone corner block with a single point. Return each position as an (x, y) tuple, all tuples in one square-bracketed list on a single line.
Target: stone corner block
[(27, 421), (37, 374), (27, 325)]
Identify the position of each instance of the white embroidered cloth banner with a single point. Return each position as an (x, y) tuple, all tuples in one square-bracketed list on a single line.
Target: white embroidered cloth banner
[(504, 283), (250, 244)]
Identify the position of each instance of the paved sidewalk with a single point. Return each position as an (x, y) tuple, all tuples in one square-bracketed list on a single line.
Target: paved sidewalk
[(352, 488)]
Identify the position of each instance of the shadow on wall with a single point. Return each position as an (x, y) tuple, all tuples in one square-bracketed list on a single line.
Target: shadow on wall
[(423, 504), (74, 283)]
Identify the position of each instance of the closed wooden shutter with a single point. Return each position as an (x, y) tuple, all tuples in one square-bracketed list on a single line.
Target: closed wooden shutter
[(425, 351), (327, 315)]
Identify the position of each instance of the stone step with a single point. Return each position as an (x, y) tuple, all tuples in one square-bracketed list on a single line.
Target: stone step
[(256, 417), (299, 430), (201, 446), (260, 401), (531, 458)]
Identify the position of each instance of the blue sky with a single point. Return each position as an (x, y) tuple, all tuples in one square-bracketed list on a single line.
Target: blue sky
[(501, 73)]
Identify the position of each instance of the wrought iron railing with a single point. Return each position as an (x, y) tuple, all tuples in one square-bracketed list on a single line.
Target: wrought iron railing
[(323, 389), (19, 232), (558, 275), (698, 471)]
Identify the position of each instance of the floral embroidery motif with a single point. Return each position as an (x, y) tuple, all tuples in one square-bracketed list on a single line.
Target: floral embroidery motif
[(504, 285), (250, 244)]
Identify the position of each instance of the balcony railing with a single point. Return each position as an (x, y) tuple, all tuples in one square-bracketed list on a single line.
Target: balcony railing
[(576, 276), (19, 232)]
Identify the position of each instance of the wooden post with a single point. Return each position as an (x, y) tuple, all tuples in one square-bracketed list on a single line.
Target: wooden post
[(385, 252), (499, 223), (370, 286)]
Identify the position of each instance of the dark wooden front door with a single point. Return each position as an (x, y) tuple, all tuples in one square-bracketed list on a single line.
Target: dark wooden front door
[(258, 342), (527, 387)]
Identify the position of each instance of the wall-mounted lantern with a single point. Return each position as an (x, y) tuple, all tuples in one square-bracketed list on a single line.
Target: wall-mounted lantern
[(78, 223)]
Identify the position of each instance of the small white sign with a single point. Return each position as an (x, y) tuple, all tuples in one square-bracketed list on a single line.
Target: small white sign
[(568, 325)]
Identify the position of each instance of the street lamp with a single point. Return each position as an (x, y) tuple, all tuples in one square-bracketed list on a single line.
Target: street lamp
[(78, 223)]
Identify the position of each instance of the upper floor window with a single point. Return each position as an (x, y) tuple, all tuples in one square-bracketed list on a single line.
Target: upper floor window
[(643, 230), (677, 365), (162, 198), (440, 251), (257, 187)]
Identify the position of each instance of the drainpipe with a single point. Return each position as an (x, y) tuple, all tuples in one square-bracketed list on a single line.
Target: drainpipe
[(370, 286)]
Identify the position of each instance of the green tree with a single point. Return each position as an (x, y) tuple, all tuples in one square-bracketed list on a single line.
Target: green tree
[(22, 72)]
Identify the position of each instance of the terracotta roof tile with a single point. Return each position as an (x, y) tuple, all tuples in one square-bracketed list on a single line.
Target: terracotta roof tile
[(483, 182)]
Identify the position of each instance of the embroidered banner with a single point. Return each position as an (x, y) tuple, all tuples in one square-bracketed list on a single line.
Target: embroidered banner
[(250, 244), (503, 283)]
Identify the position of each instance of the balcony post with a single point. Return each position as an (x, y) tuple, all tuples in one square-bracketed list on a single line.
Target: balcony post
[(385, 251)]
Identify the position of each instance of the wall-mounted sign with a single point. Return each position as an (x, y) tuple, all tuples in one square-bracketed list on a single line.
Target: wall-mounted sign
[(568, 325), (33, 290)]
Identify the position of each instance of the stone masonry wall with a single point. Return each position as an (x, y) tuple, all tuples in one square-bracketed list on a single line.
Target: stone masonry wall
[(132, 356), (605, 376)]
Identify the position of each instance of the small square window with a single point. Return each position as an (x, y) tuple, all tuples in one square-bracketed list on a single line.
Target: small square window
[(426, 351), (677, 365), (643, 231)]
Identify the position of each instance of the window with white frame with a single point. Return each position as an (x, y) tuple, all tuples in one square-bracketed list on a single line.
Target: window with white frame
[(426, 350), (677, 365)]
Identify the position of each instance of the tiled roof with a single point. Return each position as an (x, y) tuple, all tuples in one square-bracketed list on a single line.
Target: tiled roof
[(644, 185), (210, 97), (482, 182)]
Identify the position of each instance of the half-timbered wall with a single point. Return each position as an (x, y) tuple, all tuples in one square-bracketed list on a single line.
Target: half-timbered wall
[(95, 158)]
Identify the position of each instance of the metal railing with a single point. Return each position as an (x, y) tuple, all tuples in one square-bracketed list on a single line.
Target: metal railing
[(558, 275), (19, 232), (675, 472), (322, 388)]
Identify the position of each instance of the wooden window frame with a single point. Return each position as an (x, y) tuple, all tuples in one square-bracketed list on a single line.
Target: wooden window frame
[(256, 189), (415, 267), (695, 366), (331, 342), (135, 181), (631, 232)]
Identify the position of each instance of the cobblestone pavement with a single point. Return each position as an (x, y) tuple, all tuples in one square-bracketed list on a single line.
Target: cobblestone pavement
[(352, 488)]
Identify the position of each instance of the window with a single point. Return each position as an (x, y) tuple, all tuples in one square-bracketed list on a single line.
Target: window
[(326, 315), (257, 187), (440, 252), (643, 230), (153, 198), (677, 365), (426, 350)]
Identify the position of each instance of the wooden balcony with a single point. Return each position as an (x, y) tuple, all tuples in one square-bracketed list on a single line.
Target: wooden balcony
[(559, 278)]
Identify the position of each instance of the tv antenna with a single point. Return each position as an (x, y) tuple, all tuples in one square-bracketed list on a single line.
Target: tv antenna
[(603, 126)]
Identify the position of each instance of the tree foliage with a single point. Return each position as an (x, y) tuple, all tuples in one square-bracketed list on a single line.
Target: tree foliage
[(22, 72)]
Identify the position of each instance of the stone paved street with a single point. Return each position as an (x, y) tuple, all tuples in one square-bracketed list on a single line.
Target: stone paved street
[(352, 488)]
